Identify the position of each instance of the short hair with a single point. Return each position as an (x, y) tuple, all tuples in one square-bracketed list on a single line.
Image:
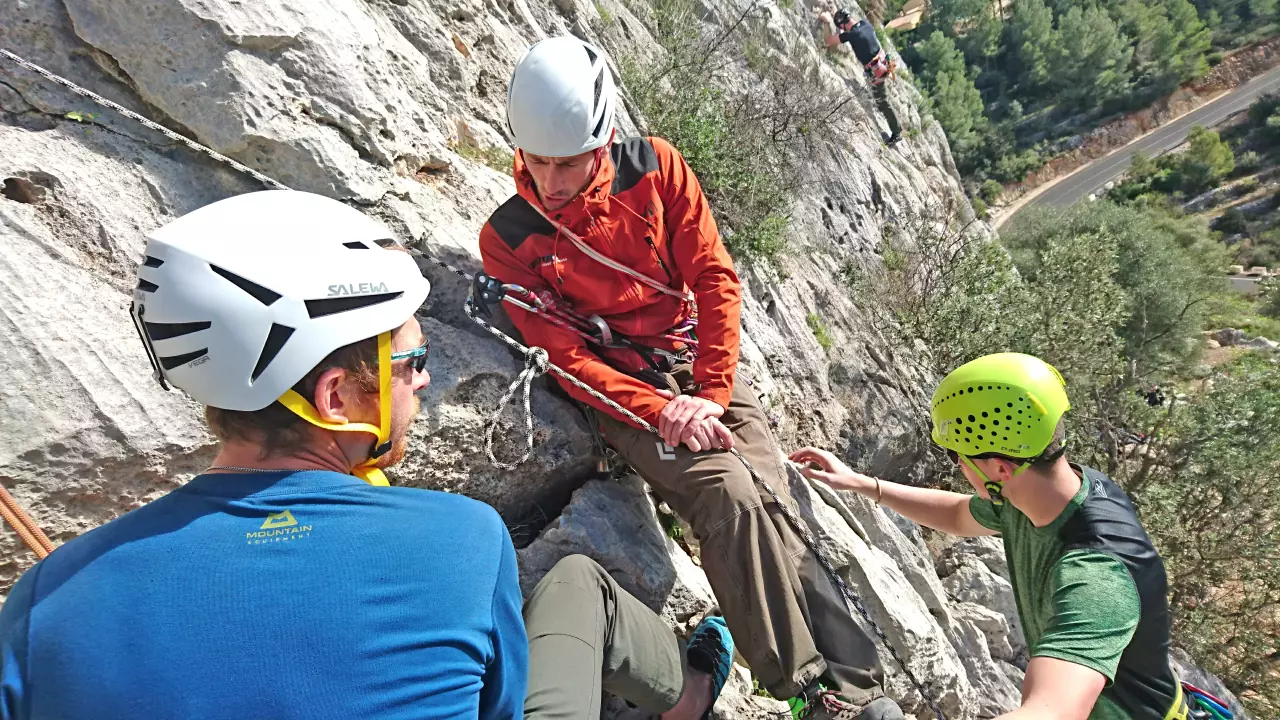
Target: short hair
[(278, 429)]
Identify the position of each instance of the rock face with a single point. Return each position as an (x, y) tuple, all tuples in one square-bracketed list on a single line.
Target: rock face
[(387, 106)]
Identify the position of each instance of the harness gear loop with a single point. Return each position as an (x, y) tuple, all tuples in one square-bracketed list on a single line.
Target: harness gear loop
[(537, 362)]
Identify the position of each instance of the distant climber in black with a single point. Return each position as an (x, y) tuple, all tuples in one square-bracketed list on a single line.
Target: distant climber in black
[(861, 36), (1154, 396)]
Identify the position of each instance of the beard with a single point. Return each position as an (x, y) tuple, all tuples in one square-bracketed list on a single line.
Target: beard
[(400, 437)]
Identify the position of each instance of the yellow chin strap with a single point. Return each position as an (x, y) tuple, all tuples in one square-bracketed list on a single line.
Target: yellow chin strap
[(367, 470), (994, 489)]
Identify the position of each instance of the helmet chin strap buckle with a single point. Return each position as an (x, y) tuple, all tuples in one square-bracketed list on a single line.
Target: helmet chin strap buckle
[(995, 490), (380, 450)]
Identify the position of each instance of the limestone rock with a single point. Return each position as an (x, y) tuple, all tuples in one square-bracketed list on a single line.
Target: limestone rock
[(892, 603), (974, 571), (616, 524)]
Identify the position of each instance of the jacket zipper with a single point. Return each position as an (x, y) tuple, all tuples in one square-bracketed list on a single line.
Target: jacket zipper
[(658, 256)]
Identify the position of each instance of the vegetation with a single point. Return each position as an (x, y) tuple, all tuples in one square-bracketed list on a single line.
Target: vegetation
[(1116, 297), (1010, 86), (1211, 160), (819, 330), (496, 157), (748, 145)]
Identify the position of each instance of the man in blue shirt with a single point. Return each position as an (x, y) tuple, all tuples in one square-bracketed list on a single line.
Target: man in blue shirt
[(280, 583)]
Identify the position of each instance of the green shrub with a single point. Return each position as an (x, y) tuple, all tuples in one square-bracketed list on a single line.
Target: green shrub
[(1232, 222), (748, 145), (1215, 57), (990, 191), (980, 208), (1248, 162), (819, 330)]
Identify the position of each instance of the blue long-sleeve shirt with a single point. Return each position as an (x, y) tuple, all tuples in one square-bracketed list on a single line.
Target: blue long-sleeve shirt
[(283, 595)]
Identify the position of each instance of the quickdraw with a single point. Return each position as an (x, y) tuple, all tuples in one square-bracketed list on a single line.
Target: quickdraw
[(536, 364)]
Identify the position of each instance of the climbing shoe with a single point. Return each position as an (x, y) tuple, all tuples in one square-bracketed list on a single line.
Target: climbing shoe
[(710, 651), (818, 702)]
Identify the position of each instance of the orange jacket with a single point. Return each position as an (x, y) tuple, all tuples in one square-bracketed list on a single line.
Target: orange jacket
[(643, 209)]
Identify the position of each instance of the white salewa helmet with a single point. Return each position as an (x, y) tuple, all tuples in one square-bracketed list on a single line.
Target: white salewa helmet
[(561, 98), (237, 301)]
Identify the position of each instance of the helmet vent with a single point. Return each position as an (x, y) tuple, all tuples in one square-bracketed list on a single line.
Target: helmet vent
[(259, 293), (173, 361), (595, 133), (152, 262), (355, 245), (165, 331), (595, 104), (591, 55), (333, 306), (275, 341), (147, 285)]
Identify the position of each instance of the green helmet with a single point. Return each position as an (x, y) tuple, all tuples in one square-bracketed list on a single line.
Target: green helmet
[(1007, 403)]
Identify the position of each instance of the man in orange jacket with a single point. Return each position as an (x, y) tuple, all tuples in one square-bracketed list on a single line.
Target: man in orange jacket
[(622, 231)]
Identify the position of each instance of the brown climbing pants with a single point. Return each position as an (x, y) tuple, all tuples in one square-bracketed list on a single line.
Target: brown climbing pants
[(787, 617), (587, 635)]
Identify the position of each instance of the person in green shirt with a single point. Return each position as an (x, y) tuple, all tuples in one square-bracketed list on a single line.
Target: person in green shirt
[(1090, 587)]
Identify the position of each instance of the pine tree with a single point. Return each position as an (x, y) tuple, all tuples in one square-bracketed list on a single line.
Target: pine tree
[(1032, 42), (972, 24), (953, 99), (1091, 63)]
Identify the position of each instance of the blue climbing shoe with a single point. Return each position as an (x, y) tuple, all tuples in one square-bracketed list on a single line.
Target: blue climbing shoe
[(710, 651)]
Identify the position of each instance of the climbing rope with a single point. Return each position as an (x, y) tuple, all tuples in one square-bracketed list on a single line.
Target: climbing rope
[(22, 524), (537, 363)]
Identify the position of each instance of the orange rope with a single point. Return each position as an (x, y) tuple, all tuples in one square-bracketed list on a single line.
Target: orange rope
[(22, 524)]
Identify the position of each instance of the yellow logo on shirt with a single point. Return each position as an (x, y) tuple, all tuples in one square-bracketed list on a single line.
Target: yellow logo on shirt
[(278, 527), (280, 519)]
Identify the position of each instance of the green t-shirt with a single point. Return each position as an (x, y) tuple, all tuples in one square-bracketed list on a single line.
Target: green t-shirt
[(1078, 599)]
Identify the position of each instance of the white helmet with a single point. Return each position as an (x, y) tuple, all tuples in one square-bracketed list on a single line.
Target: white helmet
[(237, 301), (561, 98)]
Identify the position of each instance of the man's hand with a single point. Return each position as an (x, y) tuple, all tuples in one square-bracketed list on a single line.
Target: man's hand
[(683, 420), (710, 434), (833, 472)]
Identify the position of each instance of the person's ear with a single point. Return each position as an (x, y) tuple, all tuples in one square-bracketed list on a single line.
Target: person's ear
[(1007, 468), (333, 399)]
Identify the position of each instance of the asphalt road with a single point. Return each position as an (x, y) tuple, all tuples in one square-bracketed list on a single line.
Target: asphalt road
[(1092, 177)]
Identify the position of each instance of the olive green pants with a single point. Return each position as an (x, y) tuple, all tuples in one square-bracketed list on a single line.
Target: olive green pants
[(586, 636), (787, 617), (881, 93)]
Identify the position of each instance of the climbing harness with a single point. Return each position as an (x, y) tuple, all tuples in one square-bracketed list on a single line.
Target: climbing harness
[(484, 292), (881, 68)]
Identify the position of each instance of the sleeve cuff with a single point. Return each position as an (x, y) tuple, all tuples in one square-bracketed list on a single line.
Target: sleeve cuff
[(1092, 664), (719, 396)]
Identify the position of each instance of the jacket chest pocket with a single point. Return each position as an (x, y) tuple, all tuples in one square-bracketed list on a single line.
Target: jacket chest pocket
[(641, 246)]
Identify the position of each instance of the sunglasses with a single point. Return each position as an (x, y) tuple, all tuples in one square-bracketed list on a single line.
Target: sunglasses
[(955, 456), (418, 355)]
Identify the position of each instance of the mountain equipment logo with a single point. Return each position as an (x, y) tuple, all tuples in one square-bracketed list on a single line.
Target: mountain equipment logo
[(280, 519), (278, 527)]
